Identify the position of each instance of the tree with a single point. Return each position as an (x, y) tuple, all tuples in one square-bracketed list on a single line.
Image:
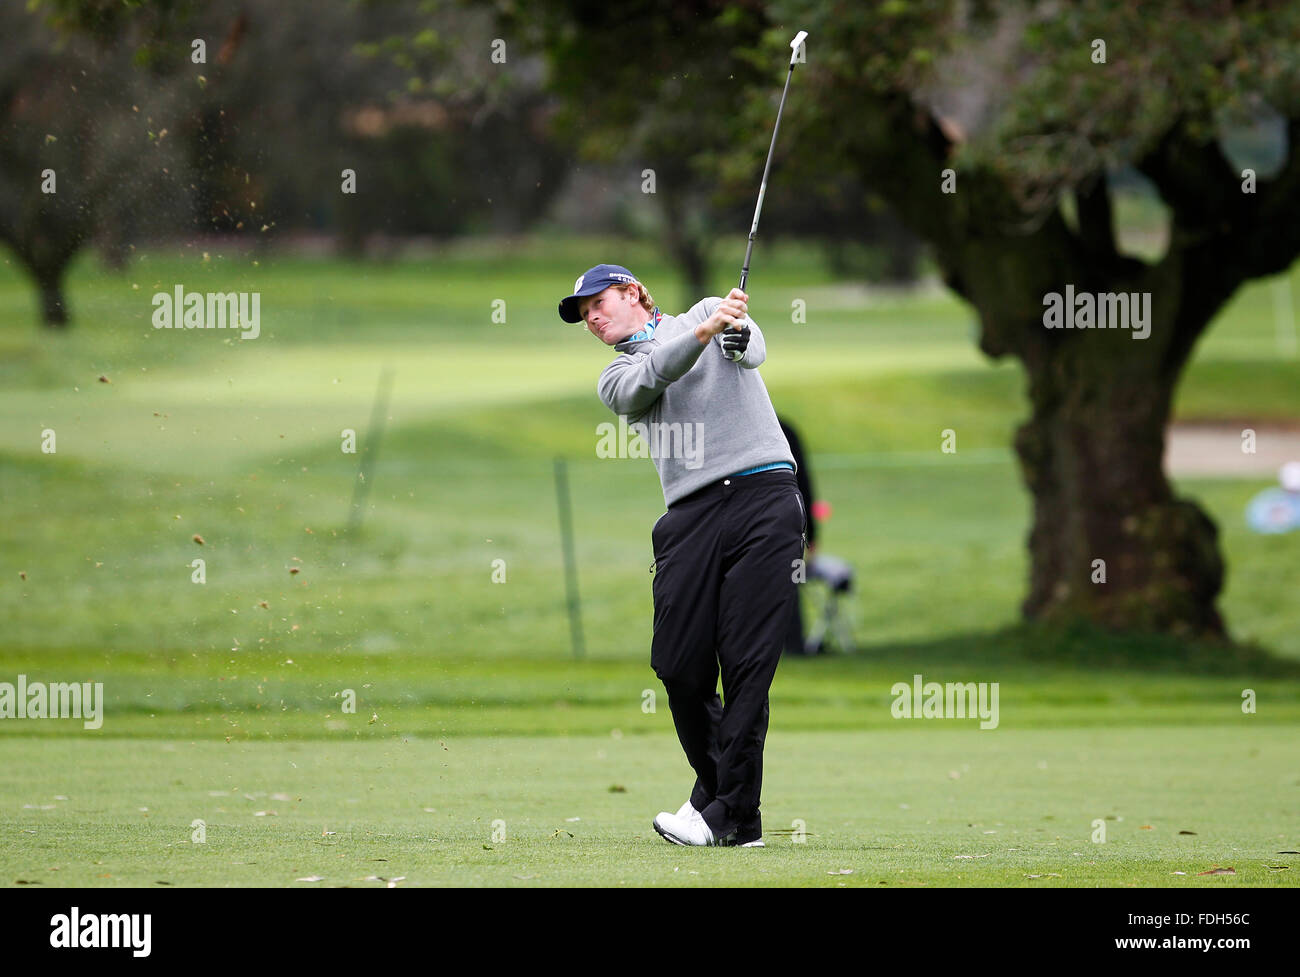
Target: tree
[(474, 104), (1053, 122), (645, 86), (254, 138), (85, 148)]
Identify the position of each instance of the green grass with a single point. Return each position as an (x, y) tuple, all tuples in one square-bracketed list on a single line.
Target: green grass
[(210, 691), (256, 696), (893, 807)]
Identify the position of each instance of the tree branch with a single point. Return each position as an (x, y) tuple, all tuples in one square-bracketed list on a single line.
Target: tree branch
[(1267, 241), (1195, 180), (1221, 237), (1096, 221), (999, 258)]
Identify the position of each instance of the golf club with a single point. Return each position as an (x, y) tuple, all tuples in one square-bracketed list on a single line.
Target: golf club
[(758, 209)]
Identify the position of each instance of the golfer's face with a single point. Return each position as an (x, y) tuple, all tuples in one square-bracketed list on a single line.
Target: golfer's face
[(612, 315)]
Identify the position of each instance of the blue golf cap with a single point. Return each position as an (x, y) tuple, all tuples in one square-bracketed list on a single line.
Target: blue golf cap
[(590, 282)]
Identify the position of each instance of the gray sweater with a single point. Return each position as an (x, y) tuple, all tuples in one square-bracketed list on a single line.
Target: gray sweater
[(702, 416)]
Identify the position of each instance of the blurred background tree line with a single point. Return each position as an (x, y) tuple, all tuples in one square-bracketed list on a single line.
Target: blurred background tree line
[(251, 142), (497, 117)]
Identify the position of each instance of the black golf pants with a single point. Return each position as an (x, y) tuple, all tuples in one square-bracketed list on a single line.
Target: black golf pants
[(724, 585)]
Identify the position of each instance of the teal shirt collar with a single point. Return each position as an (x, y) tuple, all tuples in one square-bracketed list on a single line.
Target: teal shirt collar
[(649, 329)]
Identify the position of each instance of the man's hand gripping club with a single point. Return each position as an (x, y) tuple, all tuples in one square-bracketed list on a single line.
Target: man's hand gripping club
[(728, 319)]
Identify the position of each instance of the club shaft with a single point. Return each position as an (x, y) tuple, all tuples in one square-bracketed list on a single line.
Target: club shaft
[(762, 190)]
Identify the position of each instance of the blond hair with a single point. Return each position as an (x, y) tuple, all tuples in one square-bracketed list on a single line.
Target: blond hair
[(647, 300)]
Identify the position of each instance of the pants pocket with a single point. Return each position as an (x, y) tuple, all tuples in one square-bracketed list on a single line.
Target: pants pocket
[(656, 537), (655, 529)]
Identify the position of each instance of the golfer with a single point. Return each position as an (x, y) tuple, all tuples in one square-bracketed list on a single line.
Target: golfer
[(726, 551)]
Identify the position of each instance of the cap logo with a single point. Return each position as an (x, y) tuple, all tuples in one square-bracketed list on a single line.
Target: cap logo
[(622, 278), (577, 286)]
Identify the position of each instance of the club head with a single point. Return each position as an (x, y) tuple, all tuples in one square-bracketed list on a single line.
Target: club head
[(794, 45)]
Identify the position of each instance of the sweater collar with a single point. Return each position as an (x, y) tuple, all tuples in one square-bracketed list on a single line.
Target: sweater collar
[(647, 331)]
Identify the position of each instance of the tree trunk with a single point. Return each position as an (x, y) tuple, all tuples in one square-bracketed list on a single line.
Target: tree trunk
[(693, 264), (904, 258), (46, 255), (49, 281), (1092, 456), (114, 245), (686, 248)]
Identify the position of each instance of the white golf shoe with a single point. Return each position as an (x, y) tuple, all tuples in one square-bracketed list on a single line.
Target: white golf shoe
[(684, 830), (687, 813)]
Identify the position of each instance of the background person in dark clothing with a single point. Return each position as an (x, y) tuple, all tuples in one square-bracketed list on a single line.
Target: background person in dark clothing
[(794, 643)]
